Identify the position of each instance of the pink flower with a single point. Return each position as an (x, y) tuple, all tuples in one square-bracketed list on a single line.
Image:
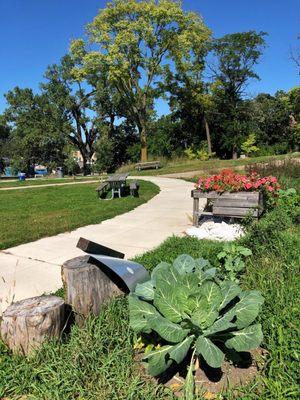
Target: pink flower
[(248, 185), (270, 188)]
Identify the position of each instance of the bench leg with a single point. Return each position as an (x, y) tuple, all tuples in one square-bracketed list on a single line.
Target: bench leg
[(196, 212)]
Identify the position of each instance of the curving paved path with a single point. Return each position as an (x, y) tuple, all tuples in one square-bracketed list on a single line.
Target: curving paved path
[(34, 268)]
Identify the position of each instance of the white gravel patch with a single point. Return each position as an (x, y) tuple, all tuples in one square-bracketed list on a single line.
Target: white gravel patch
[(220, 231)]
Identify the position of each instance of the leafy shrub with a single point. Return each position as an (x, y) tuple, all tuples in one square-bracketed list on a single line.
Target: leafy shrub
[(270, 233), (104, 150), (200, 154), (71, 167), (249, 147), (233, 257), (182, 308)]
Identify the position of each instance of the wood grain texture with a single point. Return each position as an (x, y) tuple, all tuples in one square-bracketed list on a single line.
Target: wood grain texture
[(226, 204), (28, 323), (234, 211), (87, 287)]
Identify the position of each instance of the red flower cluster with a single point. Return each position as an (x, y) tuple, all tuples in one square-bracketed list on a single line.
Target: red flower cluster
[(229, 181)]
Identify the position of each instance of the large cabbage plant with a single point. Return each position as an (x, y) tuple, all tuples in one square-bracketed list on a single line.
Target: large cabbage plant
[(187, 311)]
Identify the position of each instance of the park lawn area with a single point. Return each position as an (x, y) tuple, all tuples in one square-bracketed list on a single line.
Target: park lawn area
[(44, 181), (31, 214), (96, 362), (210, 166)]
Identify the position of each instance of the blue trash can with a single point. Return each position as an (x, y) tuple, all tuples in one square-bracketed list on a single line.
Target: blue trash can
[(22, 176)]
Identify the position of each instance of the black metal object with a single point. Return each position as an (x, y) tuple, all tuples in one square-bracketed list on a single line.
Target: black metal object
[(94, 248), (126, 274)]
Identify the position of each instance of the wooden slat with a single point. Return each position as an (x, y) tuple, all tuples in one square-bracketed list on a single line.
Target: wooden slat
[(234, 211), (241, 195), (215, 195), (94, 248), (102, 186), (197, 194), (228, 202)]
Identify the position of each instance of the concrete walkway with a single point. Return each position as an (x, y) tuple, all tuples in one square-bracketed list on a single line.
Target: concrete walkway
[(34, 268)]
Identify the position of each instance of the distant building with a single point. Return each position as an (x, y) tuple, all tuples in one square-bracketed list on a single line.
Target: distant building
[(78, 158)]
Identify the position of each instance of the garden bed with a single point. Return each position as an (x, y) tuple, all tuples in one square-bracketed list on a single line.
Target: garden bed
[(209, 381), (226, 204), (95, 362)]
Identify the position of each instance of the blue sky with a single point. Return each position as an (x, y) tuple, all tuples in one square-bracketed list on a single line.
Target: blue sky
[(36, 33)]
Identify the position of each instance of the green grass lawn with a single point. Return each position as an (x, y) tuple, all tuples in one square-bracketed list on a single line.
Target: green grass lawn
[(96, 362), (44, 181), (184, 165), (27, 215)]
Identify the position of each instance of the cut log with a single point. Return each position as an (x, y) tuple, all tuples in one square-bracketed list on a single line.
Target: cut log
[(28, 323), (87, 287)]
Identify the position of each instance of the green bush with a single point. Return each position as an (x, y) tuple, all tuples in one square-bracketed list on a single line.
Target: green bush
[(104, 151)]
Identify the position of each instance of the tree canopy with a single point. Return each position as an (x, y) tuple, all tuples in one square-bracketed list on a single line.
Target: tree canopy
[(102, 97), (137, 42)]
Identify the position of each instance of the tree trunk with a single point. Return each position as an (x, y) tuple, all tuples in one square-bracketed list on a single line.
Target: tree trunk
[(208, 138), (84, 166), (87, 287), (144, 153), (30, 322), (234, 152)]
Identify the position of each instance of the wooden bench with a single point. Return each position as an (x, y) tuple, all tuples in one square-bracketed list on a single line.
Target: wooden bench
[(134, 188), (102, 189), (147, 165), (232, 205)]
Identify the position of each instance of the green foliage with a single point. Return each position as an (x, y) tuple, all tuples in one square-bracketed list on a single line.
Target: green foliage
[(104, 151), (236, 56), (36, 136), (138, 41), (19, 164), (232, 257), (249, 147), (71, 166), (80, 111), (94, 362), (202, 154), (4, 136), (185, 308)]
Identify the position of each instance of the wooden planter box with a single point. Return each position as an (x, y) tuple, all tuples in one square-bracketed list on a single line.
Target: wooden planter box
[(232, 205)]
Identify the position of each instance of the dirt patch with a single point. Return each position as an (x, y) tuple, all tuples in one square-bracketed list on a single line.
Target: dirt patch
[(212, 381)]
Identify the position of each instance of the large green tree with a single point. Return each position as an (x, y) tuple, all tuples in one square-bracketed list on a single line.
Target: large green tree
[(86, 109), (271, 115), (235, 58), (137, 41), (35, 136)]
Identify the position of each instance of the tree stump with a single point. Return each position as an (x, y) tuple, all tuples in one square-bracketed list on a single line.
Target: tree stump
[(26, 324), (87, 287)]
